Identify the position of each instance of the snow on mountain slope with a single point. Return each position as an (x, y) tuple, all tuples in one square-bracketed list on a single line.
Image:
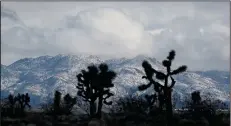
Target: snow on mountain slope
[(221, 76), (43, 75)]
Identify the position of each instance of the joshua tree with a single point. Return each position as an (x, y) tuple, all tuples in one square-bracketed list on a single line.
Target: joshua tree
[(57, 101), (196, 98), (158, 88), (60, 106), (105, 83), (69, 102), (96, 83), (23, 101), (12, 101), (205, 107), (164, 91), (17, 104)]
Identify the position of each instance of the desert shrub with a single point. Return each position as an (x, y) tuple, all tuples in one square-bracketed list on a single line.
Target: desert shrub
[(136, 111)]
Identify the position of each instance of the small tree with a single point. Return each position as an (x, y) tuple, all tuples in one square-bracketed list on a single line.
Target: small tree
[(15, 105), (164, 91), (57, 102), (87, 81), (203, 107), (12, 103), (95, 84), (61, 106), (22, 101), (8, 106), (68, 104), (105, 83)]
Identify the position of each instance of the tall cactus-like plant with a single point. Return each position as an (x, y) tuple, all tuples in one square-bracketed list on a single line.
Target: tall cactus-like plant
[(196, 97), (95, 84), (87, 83), (60, 106), (56, 104), (15, 105), (69, 102), (157, 87), (11, 102), (105, 83), (164, 91), (168, 88), (23, 101)]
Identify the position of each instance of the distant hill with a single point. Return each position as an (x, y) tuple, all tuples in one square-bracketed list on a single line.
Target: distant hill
[(43, 75)]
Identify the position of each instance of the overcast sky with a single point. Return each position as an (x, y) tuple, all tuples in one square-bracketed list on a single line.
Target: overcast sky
[(199, 32)]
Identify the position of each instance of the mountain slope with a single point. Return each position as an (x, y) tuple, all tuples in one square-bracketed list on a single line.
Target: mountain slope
[(43, 75)]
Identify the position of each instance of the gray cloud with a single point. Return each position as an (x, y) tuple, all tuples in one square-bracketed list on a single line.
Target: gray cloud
[(199, 32)]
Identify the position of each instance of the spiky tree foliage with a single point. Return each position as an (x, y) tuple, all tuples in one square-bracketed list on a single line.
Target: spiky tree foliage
[(86, 86), (164, 91), (96, 83), (168, 89), (157, 87), (106, 78)]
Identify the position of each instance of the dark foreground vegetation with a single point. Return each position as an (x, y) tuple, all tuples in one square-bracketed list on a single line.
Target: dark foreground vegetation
[(94, 93)]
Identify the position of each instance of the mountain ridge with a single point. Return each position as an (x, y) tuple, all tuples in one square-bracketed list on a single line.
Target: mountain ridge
[(41, 76)]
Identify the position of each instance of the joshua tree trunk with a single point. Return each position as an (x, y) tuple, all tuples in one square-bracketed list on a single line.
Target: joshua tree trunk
[(168, 101), (22, 107), (100, 105), (92, 108), (169, 107), (161, 100)]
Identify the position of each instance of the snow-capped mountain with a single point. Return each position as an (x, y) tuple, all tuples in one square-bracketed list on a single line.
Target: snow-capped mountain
[(43, 75)]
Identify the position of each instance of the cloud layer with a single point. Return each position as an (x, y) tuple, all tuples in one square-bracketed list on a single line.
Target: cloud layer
[(199, 32)]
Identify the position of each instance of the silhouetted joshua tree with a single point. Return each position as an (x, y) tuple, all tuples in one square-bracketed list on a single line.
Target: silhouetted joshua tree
[(16, 104), (60, 106), (105, 83), (23, 101), (11, 100), (96, 83), (203, 108), (164, 91), (11, 104), (56, 104), (69, 102), (158, 88), (196, 98)]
